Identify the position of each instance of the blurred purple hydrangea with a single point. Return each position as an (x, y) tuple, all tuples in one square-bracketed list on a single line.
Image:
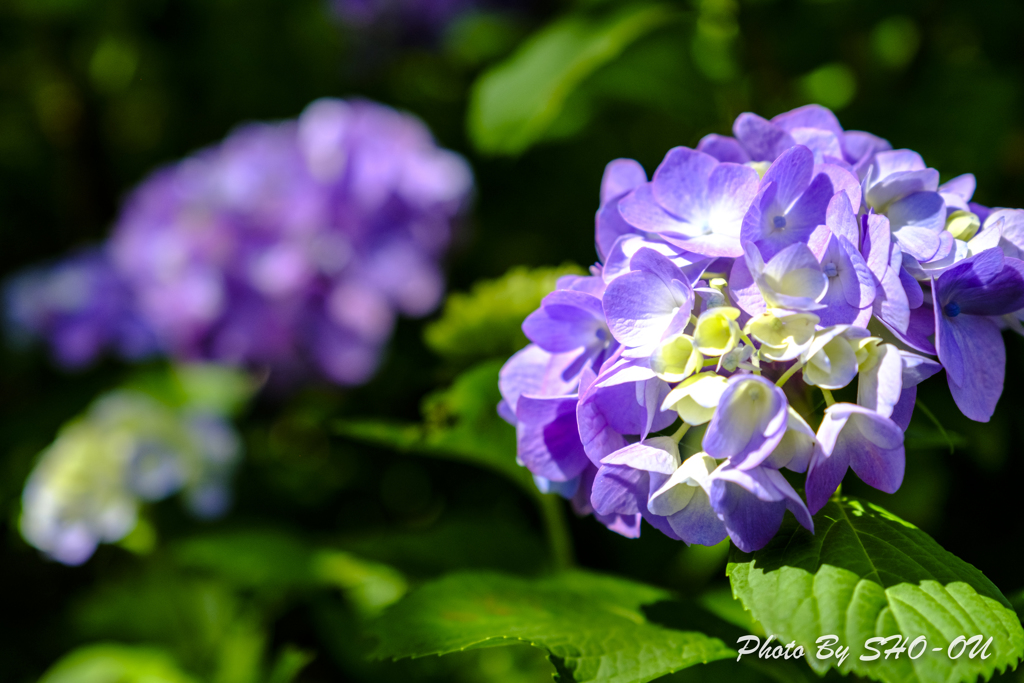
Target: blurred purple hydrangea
[(81, 306), (421, 18), (290, 246), (793, 247)]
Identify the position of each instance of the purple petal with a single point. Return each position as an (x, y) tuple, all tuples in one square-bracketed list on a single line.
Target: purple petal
[(658, 454), (923, 210), (723, 148), (880, 386), (698, 522), (749, 422), (920, 327), (567, 320), (891, 188), (897, 161), (891, 304), (624, 525), (633, 408), (917, 369), (752, 504), (860, 149), (621, 176), (609, 227), (596, 434), (548, 439), (744, 291), (876, 450), (972, 352), (857, 281), (791, 173), (911, 287), (904, 408), (983, 284), (808, 211), (653, 300), (826, 471), (877, 240), (822, 143), (523, 373), (809, 116), (763, 140), (619, 490), (962, 186), (730, 190), (841, 219), (640, 210), (921, 243), (842, 180), (680, 183), (854, 436)]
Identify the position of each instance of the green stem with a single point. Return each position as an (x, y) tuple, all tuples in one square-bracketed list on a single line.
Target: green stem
[(828, 397), (559, 539), (681, 432), (789, 373), (931, 416)]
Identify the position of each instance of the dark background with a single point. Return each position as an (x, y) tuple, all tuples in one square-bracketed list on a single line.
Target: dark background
[(94, 94)]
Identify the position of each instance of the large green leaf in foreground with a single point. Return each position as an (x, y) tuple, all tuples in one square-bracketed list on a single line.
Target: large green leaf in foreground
[(591, 625), (866, 573)]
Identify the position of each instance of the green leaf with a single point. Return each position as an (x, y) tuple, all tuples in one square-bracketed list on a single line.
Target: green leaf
[(112, 663), (866, 573), (486, 321), (460, 423), (592, 626), (514, 104)]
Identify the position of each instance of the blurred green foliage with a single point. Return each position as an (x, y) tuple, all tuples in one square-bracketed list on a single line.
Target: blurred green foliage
[(515, 104), (338, 510), (486, 321), (116, 664)]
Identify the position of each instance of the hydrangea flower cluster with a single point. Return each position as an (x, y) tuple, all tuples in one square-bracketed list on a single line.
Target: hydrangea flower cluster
[(287, 246), (128, 449), (744, 283)]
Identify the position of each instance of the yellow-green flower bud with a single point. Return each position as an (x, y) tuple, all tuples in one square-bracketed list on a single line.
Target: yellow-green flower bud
[(676, 358), (696, 398), (782, 337), (716, 332), (760, 166), (963, 225)]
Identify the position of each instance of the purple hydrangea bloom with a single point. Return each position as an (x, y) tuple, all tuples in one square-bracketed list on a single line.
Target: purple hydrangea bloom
[(289, 246), (789, 248)]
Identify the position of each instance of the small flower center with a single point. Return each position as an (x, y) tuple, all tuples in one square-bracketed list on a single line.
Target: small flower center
[(779, 222), (601, 334), (952, 309), (831, 270)]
